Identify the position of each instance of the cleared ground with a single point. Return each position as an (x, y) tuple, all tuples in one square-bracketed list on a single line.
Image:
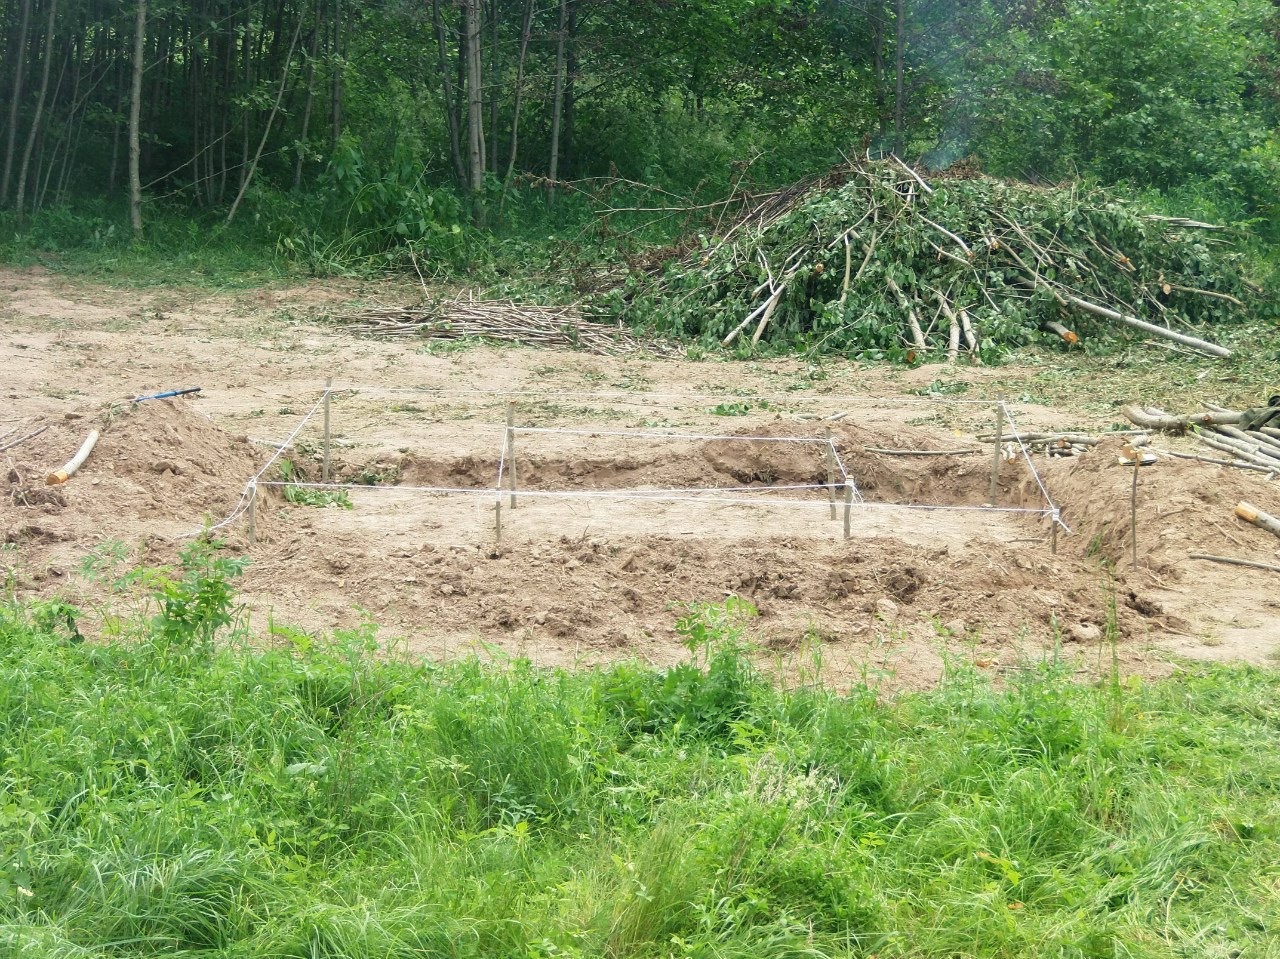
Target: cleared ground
[(594, 579)]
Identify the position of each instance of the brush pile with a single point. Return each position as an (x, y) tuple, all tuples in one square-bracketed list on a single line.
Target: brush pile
[(502, 321), (870, 259)]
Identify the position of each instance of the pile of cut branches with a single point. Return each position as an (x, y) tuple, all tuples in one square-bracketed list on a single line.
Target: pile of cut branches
[(871, 259), (561, 327)]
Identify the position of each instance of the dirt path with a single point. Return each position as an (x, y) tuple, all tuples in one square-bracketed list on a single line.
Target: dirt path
[(595, 578)]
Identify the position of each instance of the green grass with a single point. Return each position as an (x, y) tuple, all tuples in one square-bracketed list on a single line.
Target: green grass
[(175, 793)]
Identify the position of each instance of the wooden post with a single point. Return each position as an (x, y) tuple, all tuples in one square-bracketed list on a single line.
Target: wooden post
[(1053, 535), (848, 509), (325, 472), (253, 519), (511, 450), (994, 493), (497, 521), (831, 473), (1133, 504)]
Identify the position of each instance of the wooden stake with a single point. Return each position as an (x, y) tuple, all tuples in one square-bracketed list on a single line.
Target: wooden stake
[(848, 510), (831, 473), (1053, 536), (497, 521), (1133, 504), (325, 471), (994, 492), (511, 450), (253, 519)]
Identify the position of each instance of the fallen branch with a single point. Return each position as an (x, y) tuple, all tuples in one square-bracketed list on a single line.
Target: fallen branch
[(23, 439), (1231, 561), (885, 452), (1237, 464), (1204, 346)]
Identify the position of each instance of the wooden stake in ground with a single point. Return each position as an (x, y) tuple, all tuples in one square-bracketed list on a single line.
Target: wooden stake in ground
[(497, 521), (996, 456), (1133, 501), (253, 519), (325, 469), (1251, 514), (831, 473), (848, 510), (511, 450)]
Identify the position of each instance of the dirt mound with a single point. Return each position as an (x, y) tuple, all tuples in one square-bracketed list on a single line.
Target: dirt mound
[(1183, 507), (160, 467)]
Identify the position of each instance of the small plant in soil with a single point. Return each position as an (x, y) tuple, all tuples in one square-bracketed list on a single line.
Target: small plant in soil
[(306, 496)]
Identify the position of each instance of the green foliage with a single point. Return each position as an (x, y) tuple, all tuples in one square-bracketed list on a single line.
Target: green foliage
[(318, 799), (309, 496)]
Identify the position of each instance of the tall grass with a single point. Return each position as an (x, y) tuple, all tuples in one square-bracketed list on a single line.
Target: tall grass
[(172, 796)]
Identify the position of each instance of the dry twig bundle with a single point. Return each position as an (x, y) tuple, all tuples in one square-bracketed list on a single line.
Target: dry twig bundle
[(557, 327)]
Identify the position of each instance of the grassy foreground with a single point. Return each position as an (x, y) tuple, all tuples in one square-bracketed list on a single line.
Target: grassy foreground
[(177, 794)]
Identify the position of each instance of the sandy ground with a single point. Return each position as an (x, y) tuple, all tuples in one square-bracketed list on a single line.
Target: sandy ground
[(598, 576)]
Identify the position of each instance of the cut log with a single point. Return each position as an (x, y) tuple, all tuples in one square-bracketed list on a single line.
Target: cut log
[(1064, 334), (1163, 332), (1251, 514), (1236, 464), (1155, 419)]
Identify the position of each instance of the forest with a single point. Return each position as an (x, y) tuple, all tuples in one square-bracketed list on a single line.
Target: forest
[(335, 134)]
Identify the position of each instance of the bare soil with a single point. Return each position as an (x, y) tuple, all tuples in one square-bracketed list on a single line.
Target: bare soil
[(597, 577)]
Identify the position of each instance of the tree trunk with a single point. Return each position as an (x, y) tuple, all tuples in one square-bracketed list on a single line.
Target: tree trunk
[(475, 98), (313, 51), (879, 15), (271, 119), (20, 68), (557, 105), (899, 92), (526, 23), (493, 82), (135, 112), (335, 96), (448, 95), (50, 30), (570, 92)]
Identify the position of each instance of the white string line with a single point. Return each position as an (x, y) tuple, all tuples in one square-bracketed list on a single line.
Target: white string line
[(251, 487), (671, 436), (615, 395), (663, 496), (641, 493), (1055, 513), (292, 436)]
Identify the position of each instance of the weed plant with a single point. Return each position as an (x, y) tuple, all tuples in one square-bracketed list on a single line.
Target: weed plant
[(177, 793)]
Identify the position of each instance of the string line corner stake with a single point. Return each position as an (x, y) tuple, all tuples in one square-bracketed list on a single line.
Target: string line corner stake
[(252, 511), (328, 386), (994, 492), (848, 509), (511, 448), (831, 472)]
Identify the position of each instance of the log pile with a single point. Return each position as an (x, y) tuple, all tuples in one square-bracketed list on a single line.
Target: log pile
[(873, 260), (561, 327), (1229, 436)]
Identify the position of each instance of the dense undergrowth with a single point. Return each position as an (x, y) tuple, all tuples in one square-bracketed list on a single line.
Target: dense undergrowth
[(174, 792)]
